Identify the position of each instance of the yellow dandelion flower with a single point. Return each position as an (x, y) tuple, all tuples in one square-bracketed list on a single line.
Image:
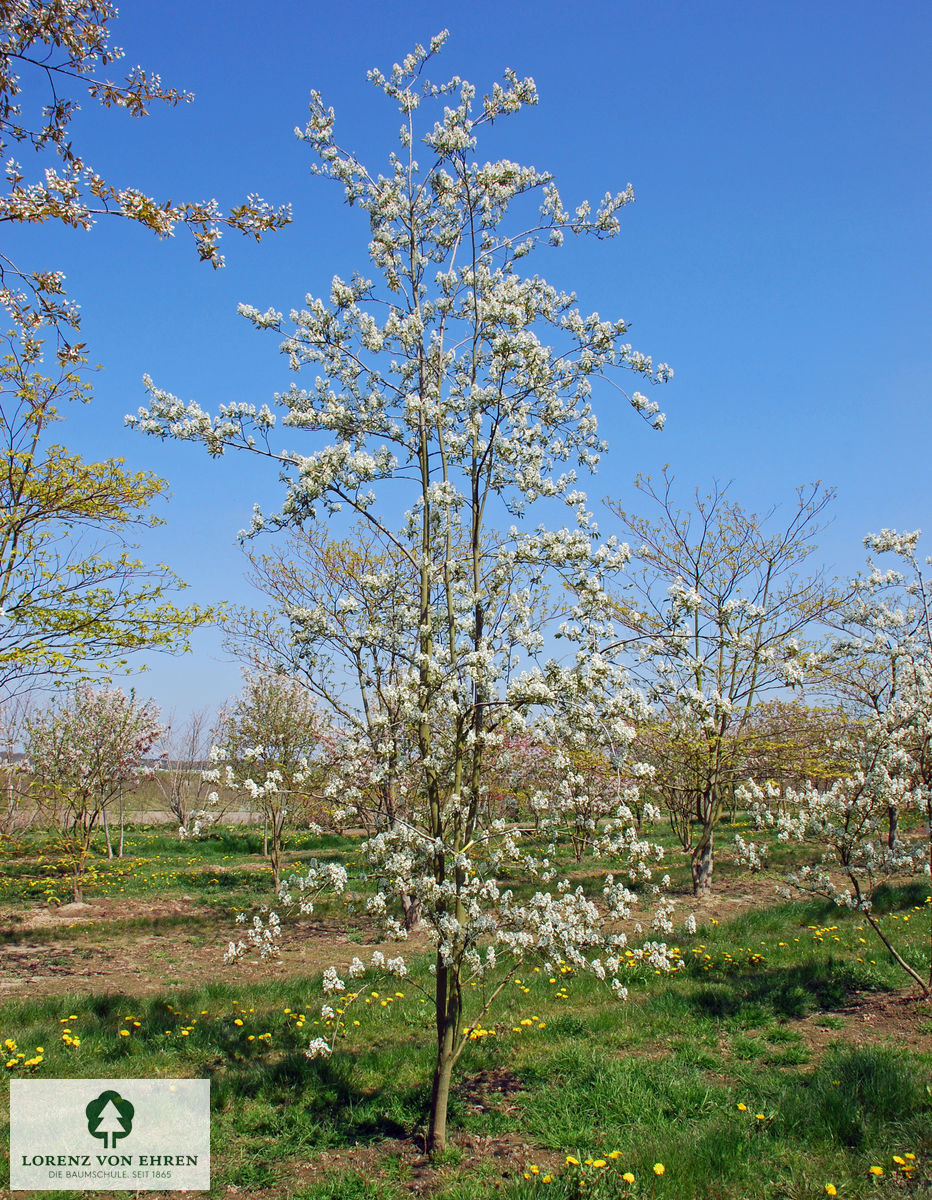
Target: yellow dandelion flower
[(571, 1161), (901, 1161), (534, 1169), (615, 1154), (876, 1170), (742, 1108), (659, 1168), (124, 1033), (628, 1177), (831, 1189), (600, 1162)]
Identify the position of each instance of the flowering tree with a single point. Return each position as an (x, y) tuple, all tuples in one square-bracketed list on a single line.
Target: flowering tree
[(12, 718), (82, 752), (886, 647), (713, 609), (50, 52), (179, 777), (265, 743), (459, 391)]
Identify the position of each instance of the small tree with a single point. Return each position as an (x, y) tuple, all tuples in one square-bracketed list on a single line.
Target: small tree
[(267, 739), (82, 752), (714, 610), (464, 387), (183, 757), (887, 639)]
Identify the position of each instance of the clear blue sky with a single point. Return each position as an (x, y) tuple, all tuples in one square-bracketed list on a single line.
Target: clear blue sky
[(777, 256)]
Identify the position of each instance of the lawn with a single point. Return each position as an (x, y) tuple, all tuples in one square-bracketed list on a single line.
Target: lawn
[(784, 1059)]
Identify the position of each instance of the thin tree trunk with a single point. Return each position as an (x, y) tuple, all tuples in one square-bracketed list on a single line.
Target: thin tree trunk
[(411, 910), (893, 825), (703, 861), (107, 832), (449, 1008), (120, 851)]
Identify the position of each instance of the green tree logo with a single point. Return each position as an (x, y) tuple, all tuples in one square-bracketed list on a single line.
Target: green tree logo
[(109, 1116)]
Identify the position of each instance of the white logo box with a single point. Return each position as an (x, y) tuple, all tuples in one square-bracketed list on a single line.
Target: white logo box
[(115, 1134)]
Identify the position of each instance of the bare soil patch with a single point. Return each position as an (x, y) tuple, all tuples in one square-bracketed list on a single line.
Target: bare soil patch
[(904, 1018), (140, 947)]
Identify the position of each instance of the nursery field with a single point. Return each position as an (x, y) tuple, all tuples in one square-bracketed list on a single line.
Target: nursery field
[(784, 1059)]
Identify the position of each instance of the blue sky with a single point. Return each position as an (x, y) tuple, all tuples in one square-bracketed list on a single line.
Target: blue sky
[(777, 256)]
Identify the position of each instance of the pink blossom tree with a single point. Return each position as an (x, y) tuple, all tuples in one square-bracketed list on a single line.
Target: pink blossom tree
[(82, 752)]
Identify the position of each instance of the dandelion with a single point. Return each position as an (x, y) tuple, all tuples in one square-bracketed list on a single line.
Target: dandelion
[(900, 1161), (659, 1168), (742, 1108), (876, 1170), (571, 1161), (831, 1189), (628, 1177), (124, 1033), (600, 1162)]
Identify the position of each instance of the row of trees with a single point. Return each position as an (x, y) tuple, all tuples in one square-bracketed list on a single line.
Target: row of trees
[(94, 746)]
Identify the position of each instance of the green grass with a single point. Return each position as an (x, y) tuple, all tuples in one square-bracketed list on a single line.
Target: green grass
[(658, 1080)]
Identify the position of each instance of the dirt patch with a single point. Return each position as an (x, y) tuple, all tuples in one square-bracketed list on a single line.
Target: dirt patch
[(140, 947), (495, 1159), (904, 1018)]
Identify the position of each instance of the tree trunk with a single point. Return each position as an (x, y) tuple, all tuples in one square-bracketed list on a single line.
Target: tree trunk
[(703, 862), (893, 825), (107, 833), (411, 910), (449, 1008), (120, 851)]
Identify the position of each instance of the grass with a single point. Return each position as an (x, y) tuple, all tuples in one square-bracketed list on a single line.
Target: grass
[(740, 1074)]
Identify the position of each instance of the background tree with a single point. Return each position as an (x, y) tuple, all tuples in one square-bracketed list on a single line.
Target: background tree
[(714, 611), (53, 53), (184, 751), (82, 751), (888, 639), (791, 743), (71, 592), (457, 392), (266, 741), (72, 595), (13, 714)]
